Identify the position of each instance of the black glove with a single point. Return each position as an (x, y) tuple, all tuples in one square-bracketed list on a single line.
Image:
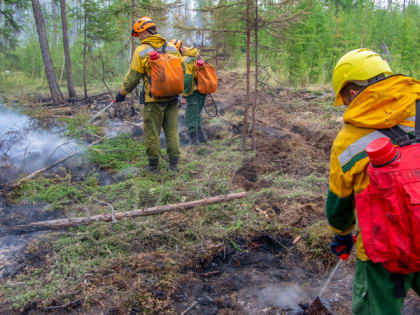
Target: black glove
[(119, 98), (341, 245)]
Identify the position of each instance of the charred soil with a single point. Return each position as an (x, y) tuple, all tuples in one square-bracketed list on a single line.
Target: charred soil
[(266, 254)]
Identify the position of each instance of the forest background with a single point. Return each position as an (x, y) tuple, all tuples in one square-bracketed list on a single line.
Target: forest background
[(298, 41)]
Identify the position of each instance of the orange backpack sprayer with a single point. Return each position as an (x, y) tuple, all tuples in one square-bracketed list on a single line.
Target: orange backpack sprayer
[(167, 76), (388, 210), (206, 77)]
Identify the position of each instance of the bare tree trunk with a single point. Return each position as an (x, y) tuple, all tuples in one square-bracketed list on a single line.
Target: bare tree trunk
[(217, 54), (404, 6), (33, 66), (64, 223), (61, 73), (254, 107), (67, 59), (54, 18), (248, 77), (55, 91), (103, 72), (85, 51)]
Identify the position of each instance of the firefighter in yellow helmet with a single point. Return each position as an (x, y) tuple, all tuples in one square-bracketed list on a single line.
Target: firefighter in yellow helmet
[(374, 99), (159, 112), (195, 100)]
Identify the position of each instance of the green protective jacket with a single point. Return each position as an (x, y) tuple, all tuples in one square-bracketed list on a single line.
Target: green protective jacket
[(383, 104), (190, 77)]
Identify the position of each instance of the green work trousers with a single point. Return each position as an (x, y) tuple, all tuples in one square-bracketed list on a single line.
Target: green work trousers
[(195, 104), (157, 116), (373, 290)]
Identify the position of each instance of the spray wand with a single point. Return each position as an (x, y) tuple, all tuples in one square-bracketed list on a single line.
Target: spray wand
[(343, 257)]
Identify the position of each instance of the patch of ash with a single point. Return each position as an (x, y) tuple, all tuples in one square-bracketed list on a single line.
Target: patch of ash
[(12, 246)]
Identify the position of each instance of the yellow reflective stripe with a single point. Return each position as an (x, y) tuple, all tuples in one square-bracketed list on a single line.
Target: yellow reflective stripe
[(145, 52), (171, 49), (355, 151), (357, 147)]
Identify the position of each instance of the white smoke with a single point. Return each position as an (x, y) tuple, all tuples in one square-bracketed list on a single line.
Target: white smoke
[(27, 146), (283, 295)]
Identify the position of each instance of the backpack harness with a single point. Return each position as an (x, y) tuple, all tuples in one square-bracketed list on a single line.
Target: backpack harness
[(388, 210)]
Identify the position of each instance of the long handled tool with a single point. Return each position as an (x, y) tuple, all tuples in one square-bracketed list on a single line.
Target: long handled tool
[(327, 283), (316, 307)]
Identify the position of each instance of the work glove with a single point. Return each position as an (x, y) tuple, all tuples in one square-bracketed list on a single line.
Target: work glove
[(341, 245), (119, 98)]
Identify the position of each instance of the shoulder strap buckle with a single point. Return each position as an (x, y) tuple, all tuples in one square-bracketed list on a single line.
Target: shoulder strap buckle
[(398, 135)]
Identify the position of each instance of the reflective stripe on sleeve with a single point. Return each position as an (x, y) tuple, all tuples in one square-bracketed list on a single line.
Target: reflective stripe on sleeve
[(357, 150), (145, 52)]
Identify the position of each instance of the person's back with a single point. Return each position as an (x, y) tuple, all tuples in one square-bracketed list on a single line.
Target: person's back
[(141, 63), (195, 99), (373, 102), (159, 112)]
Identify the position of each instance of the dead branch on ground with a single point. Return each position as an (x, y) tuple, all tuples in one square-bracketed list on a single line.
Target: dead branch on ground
[(65, 223)]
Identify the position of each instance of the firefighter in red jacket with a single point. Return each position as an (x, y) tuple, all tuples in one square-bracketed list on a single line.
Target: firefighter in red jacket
[(375, 99)]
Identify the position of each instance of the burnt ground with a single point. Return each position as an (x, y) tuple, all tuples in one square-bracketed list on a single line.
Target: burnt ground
[(261, 271)]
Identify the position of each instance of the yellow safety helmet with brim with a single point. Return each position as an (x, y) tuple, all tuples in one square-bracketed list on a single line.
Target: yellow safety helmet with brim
[(357, 65)]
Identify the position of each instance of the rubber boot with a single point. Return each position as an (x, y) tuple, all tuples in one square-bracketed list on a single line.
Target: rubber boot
[(202, 135), (194, 138), (153, 166), (173, 163)]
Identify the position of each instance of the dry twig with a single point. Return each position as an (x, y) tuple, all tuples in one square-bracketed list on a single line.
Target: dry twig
[(189, 308)]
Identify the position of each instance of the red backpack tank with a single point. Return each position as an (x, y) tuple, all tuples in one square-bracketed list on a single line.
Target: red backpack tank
[(388, 210)]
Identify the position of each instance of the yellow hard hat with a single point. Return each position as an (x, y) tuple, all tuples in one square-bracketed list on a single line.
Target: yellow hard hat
[(357, 65)]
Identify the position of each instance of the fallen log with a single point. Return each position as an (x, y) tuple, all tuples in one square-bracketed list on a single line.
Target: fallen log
[(65, 223), (32, 175)]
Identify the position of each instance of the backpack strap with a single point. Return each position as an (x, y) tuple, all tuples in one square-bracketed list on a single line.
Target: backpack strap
[(417, 128), (398, 135), (163, 48)]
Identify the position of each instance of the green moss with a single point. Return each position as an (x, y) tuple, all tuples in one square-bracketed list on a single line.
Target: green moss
[(118, 153), (78, 126)]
